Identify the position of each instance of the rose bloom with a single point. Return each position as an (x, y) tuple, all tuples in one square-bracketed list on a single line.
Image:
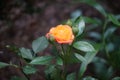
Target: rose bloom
[(62, 34)]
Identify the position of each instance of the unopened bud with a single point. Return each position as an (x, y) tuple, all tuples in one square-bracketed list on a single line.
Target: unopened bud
[(51, 38), (75, 30), (69, 22)]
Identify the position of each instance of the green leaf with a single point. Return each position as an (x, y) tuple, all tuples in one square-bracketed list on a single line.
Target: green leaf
[(110, 47), (39, 44), (110, 72), (82, 69), (95, 4), (116, 78), (95, 35), (43, 60), (29, 70), (92, 20), (83, 46), (101, 69), (72, 59), (89, 78), (79, 57), (2, 64), (71, 76), (53, 73), (26, 53), (113, 19), (89, 56), (81, 25), (100, 9), (59, 61), (85, 61), (97, 46), (93, 23), (109, 32), (17, 78)]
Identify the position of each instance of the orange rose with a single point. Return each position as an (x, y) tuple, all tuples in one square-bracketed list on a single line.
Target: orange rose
[(62, 34)]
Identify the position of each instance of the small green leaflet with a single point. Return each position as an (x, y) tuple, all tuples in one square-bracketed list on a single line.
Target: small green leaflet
[(71, 76), (26, 53), (113, 19), (29, 70), (43, 60), (39, 44), (83, 46), (2, 64), (89, 78)]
